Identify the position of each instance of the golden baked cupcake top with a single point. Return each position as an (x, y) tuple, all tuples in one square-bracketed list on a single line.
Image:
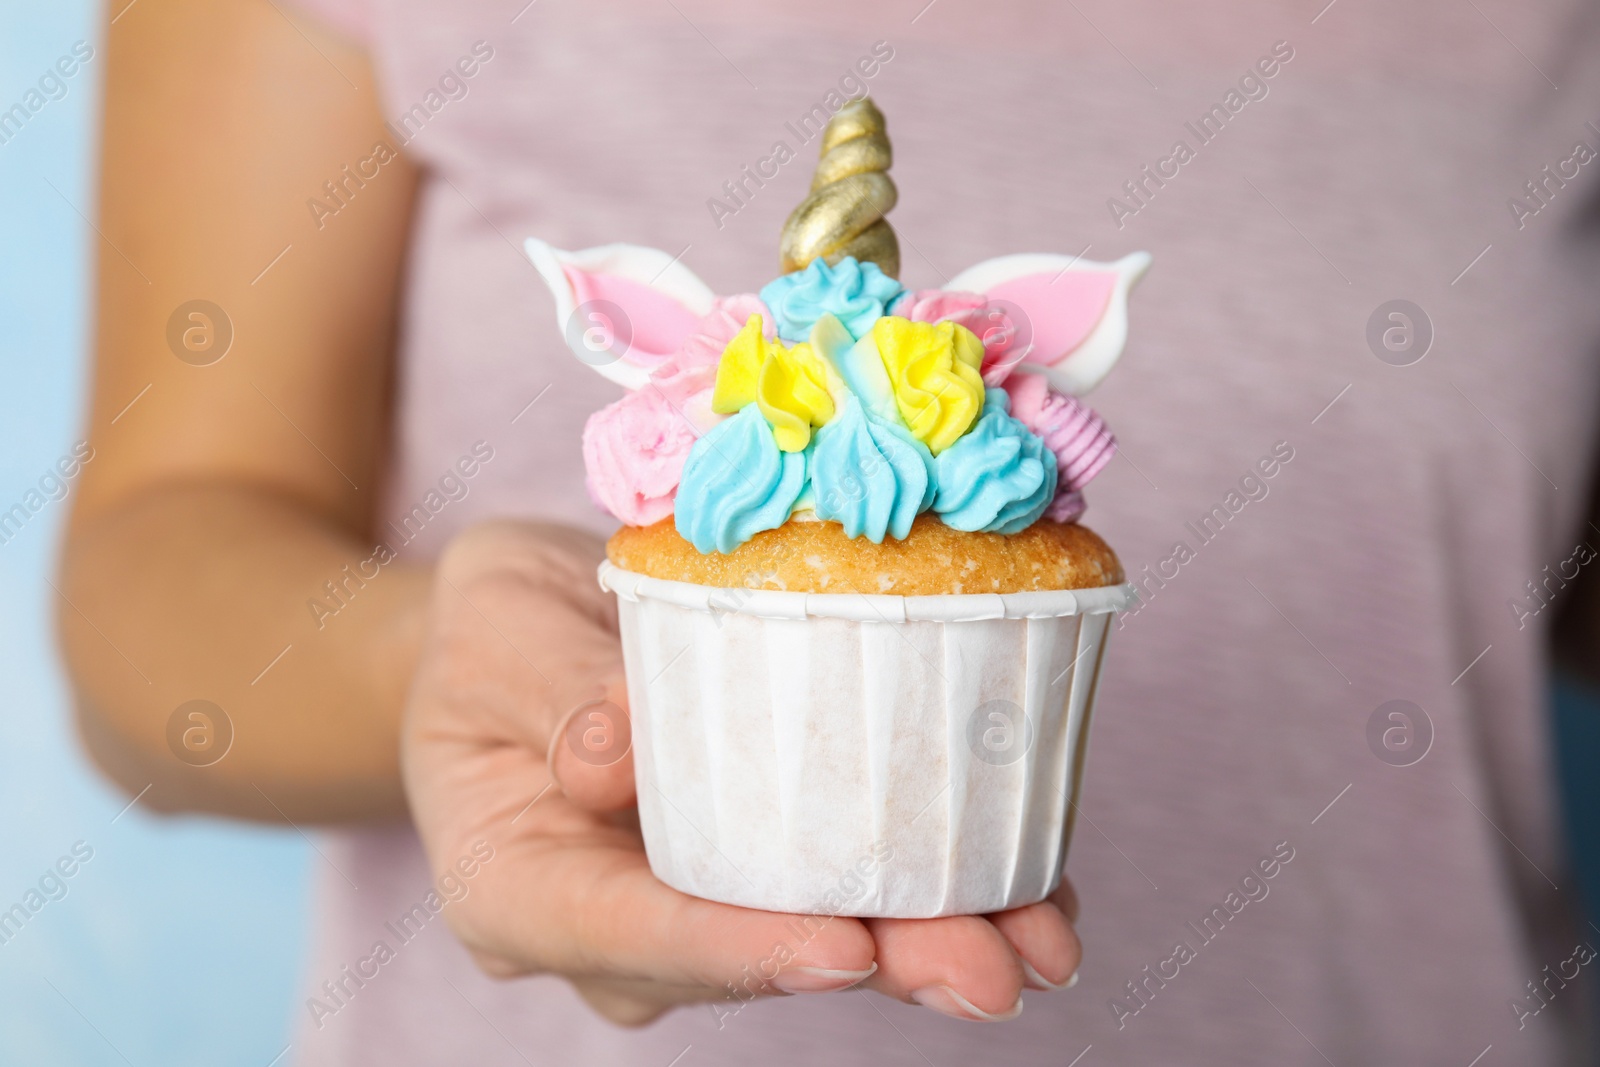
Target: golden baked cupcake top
[(932, 559)]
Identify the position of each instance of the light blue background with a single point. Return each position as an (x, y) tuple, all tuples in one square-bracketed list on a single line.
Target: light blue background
[(180, 942)]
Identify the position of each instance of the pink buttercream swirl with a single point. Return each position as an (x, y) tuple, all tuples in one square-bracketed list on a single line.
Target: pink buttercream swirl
[(634, 449), (1072, 430), (1068, 506), (991, 322), (727, 317)]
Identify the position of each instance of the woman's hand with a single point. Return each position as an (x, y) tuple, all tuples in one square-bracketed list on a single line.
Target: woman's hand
[(520, 637)]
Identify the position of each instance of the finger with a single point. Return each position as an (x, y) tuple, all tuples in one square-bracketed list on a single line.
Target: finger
[(961, 966), (1044, 941), (619, 921), (629, 1002), (521, 629), (591, 753)]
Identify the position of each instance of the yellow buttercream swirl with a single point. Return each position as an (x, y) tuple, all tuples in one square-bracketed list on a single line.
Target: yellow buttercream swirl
[(739, 368), (934, 370), (790, 385), (793, 395)]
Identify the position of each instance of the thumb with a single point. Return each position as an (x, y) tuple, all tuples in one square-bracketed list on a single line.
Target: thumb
[(591, 752)]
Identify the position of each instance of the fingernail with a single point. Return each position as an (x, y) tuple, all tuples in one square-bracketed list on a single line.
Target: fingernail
[(819, 979), (946, 1001), (1039, 981)]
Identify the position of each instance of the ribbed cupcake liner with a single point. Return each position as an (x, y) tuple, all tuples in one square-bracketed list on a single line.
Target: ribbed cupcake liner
[(859, 755)]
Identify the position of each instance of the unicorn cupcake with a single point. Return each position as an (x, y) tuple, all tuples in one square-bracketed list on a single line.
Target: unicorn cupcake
[(862, 623)]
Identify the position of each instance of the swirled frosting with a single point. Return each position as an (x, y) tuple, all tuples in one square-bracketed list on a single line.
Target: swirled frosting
[(634, 449), (789, 385), (793, 395), (934, 371), (739, 369), (728, 315), (736, 483), (999, 478), (857, 366), (1072, 430), (844, 413), (1068, 506), (991, 323), (857, 294), (869, 475)]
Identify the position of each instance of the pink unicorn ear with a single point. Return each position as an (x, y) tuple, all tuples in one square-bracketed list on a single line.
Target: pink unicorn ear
[(622, 308), (1071, 315)]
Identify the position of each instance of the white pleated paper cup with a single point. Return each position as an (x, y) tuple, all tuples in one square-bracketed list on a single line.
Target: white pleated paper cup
[(849, 754)]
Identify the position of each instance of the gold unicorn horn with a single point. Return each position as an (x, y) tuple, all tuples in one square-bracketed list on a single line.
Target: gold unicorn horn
[(850, 194)]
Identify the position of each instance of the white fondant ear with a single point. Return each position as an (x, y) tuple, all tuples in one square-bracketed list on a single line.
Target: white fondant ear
[(622, 308), (1071, 314)]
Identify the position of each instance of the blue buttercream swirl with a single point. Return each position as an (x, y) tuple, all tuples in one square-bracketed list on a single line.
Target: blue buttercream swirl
[(870, 475), (736, 483), (998, 477), (857, 293)]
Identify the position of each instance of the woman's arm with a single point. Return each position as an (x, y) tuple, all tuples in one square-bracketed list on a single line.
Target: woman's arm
[(220, 498)]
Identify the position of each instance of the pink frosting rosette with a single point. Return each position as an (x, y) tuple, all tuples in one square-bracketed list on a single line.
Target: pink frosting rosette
[(990, 323), (727, 317), (1068, 506), (1072, 430), (634, 449)]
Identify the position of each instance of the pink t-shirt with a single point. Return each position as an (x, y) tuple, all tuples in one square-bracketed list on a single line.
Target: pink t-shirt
[(1418, 152)]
